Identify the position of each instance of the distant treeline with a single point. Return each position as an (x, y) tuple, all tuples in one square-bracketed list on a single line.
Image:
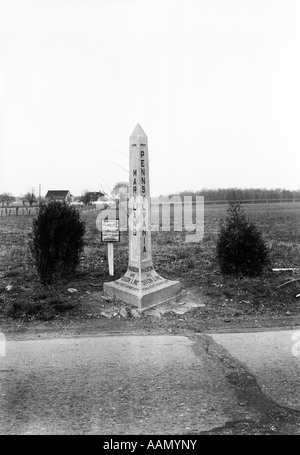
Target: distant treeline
[(229, 194)]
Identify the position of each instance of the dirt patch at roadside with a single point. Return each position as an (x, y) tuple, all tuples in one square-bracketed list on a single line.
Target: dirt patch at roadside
[(91, 312)]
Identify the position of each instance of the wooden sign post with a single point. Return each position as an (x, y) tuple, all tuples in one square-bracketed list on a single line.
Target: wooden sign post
[(110, 233)]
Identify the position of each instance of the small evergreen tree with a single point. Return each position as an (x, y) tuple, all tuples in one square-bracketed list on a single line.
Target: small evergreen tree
[(57, 240), (240, 246)]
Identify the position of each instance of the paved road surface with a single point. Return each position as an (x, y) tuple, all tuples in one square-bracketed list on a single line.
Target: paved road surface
[(113, 385), (148, 385), (273, 358)]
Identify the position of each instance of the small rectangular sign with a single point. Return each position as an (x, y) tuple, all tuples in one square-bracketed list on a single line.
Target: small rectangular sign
[(110, 231)]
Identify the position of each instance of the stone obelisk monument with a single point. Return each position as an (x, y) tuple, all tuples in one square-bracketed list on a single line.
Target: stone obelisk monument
[(141, 286)]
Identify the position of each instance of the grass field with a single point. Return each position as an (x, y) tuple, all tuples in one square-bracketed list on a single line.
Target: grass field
[(227, 300)]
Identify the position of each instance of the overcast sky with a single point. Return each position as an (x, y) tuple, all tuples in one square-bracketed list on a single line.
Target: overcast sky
[(215, 84)]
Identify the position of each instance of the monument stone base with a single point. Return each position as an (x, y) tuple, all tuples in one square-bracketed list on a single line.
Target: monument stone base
[(142, 293)]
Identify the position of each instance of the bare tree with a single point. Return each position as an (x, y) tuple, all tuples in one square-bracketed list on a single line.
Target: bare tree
[(6, 199), (30, 197), (86, 197), (121, 190)]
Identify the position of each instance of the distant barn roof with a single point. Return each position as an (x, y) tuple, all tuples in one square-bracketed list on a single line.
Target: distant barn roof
[(57, 193)]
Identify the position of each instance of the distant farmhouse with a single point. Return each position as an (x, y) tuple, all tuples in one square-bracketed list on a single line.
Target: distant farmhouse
[(58, 195), (95, 195)]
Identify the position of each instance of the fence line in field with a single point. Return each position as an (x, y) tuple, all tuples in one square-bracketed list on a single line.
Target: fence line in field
[(253, 201), (32, 211), (224, 202), (18, 211)]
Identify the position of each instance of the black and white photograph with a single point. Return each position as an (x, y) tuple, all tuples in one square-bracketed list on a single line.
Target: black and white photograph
[(149, 221)]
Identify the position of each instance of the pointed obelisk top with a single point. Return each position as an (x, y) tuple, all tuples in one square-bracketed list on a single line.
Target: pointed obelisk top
[(138, 131)]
